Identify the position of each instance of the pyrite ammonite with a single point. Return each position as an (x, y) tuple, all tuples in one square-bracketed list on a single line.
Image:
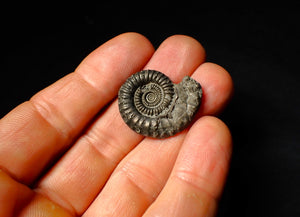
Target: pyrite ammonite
[(151, 105)]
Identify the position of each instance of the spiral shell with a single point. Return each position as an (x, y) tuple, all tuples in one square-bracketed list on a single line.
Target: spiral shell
[(152, 105)]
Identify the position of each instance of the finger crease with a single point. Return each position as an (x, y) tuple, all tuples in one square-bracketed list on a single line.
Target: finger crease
[(58, 199), (47, 110), (104, 145), (90, 84), (192, 179), (143, 178)]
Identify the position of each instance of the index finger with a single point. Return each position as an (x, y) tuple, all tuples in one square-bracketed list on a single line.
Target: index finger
[(36, 131)]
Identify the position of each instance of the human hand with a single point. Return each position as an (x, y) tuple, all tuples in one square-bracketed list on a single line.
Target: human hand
[(60, 156)]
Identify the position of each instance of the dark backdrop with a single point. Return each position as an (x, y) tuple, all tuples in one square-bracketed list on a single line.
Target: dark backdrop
[(260, 49)]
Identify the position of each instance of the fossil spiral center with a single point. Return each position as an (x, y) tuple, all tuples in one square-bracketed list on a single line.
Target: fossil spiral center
[(152, 95), (148, 99)]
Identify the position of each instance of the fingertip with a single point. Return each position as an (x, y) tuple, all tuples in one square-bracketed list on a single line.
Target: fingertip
[(205, 155), (198, 176), (129, 44), (177, 56), (217, 87), (213, 128), (135, 38), (189, 43)]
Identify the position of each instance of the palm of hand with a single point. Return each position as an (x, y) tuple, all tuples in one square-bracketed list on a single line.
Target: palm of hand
[(108, 169)]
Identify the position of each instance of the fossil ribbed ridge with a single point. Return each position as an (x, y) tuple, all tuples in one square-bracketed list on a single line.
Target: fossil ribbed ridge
[(152, 105)]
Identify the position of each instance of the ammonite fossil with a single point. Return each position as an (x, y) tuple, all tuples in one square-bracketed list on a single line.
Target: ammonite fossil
[(152, 105)]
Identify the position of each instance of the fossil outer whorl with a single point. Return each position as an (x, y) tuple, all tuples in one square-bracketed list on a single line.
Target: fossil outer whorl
[(152, 105)]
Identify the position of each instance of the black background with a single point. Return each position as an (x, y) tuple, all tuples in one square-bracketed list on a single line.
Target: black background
[(259, 48)]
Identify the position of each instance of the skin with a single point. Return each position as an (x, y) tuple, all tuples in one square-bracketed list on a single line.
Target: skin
[(60, 156)]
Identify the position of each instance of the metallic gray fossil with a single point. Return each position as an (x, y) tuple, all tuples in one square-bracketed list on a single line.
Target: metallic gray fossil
[(152, 105)]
